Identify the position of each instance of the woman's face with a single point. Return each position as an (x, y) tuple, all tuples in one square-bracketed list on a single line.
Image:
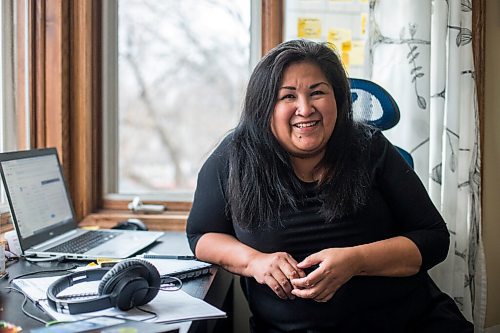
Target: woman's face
[(306, 111)]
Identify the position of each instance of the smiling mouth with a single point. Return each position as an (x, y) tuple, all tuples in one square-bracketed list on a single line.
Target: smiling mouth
[(308, 124)]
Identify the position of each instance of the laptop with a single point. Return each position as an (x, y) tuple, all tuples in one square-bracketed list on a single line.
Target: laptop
[(44, 217)]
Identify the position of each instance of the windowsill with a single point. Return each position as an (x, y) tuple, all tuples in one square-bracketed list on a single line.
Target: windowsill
[(167, 221), (170, 196), (5, 224), (120, 202)]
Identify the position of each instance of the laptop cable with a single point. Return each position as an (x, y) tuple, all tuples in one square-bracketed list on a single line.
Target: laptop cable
[(25, 301), (43, 271), (37, 259)]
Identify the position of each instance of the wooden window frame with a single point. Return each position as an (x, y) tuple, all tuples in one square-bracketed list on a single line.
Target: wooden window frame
[(64, 40), (63, 90)]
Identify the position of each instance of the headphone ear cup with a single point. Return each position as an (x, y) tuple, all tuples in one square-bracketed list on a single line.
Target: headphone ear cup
[(110, 278), (130, 292), (154, 281), (124, 281)]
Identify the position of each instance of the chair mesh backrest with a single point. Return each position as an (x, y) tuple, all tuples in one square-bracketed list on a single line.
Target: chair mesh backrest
[(372, 104)]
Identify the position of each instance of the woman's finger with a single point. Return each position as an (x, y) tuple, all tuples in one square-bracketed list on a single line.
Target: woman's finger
[(275, 286), (310, 280), (291, 270), (306, 293), (313, 259), (284, 282), (325, 295)]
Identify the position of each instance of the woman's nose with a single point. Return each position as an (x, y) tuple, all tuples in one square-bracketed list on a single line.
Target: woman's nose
[(305, 108)]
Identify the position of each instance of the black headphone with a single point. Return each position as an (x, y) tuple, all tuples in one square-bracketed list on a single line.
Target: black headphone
[(129, 283)]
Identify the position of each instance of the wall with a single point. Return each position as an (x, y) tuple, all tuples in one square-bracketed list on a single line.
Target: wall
[(491, 162), (241, 311)]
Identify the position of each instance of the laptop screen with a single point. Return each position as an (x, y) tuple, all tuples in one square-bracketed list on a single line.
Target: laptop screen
[(37, 194)]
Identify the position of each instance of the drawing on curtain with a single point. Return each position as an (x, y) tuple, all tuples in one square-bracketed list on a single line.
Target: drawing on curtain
[(416, 71), (423, 57)]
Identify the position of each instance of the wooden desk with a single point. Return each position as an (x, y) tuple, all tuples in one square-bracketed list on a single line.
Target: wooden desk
[(215, 289)]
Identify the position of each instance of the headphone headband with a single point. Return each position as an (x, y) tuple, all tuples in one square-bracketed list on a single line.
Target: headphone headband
[(78, 306)]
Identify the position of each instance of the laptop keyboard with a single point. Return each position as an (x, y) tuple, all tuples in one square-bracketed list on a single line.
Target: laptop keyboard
[(84, 242)]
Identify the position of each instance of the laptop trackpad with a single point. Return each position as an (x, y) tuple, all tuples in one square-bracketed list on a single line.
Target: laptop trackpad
[(125, 245)]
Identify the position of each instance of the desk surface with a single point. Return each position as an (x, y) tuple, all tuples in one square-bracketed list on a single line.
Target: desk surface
[(213, 288)]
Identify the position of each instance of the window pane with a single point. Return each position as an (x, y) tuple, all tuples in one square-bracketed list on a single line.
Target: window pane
[(2, 48), (8, 121), (183, 68)]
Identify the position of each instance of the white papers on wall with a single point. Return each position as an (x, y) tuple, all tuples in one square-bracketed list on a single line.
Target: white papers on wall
[(343, 23)]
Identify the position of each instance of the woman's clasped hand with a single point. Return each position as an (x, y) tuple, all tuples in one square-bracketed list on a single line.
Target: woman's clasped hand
[(334, 267), (328, 270), (276, 270)]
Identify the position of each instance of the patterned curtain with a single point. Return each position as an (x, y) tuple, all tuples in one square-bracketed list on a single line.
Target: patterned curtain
[(421, 52)]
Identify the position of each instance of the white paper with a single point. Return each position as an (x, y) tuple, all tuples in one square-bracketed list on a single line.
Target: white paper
[(170, 306)]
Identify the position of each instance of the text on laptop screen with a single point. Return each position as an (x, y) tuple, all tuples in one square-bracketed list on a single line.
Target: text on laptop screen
[(37, 193)]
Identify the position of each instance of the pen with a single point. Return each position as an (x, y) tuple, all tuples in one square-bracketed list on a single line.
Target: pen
[(165, 256)]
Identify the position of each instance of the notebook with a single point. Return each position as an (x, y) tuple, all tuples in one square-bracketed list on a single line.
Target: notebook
[(44, 217), (180, 269)]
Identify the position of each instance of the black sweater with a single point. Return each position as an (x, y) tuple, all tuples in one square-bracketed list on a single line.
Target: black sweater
[(398, 204)]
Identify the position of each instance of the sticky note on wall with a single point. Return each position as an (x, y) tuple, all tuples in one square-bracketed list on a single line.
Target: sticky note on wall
[(342, 39), (338, 36), (364, 22), (309, 28), (357, 53)]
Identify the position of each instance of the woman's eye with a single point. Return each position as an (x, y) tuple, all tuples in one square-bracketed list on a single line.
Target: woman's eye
[(288, 96), (317, 92)]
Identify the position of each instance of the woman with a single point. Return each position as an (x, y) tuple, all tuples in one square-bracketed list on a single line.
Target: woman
[(329, 227)]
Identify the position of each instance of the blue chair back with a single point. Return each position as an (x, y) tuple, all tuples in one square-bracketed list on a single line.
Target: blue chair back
[(373, 105)]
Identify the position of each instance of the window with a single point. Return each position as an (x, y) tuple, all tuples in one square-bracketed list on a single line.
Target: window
[(8, 121), (180, 68), (7, 66)]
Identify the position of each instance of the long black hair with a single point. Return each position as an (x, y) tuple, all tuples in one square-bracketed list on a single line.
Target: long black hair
[(260, 169)]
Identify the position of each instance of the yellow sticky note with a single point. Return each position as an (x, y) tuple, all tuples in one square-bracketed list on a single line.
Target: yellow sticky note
[(342, 39), (309, 28), (364, 22), (107, 261), (357, 52), (345, 60), (345, 55), (346, 45), (91, 227), (338, 36)]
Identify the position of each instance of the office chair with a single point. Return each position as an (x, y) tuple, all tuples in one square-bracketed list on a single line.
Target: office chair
[(373, 105)]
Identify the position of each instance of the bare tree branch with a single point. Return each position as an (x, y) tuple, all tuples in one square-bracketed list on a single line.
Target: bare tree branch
[(144, 96)]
